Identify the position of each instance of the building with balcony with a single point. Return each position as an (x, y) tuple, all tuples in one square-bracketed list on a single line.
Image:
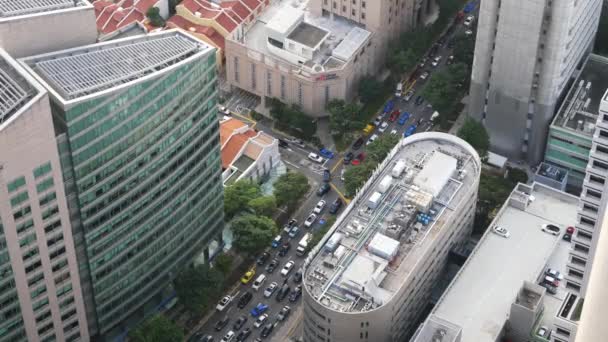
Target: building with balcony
[(29, 27), (371, 276), (138, 138), (40, 290), (300, 58)]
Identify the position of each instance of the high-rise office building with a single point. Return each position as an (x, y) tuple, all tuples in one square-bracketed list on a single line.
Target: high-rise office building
[(525, 55), (371, 276), (40, 290), (137, 130)]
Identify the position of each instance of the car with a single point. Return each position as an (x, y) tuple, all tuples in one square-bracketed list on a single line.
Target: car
[(469, 20), (377, 121), (501, 231), (554, 273), (424, 75), (228, 337), (394, 131), (238, 324), (409, 131), (207, 338), (383, 127), (259, 281), (258, 322), (419, 100), (287, 268), (570, 230), (408, 96), (295, 294), (356, 162), (551, 281), (284, 249), (297, 277), (315, 157), (372, 139), (276, 242), (450, 60), (403, 118), (394, 115), (270, 289), (262, 258), (348, 157), (224, 110), (326, 175), (292, 223), (368, 128), (422, 62), (550, 228), (436, 61), (196, 337), (550, 288), (243, 335), (399, 90), (358, 143), (272, 265), (246, 278), (326, 153), (294, 232), (543, 331), (361, 156), (335, 206), (387, 108), (224, 302), (567, 237), (244, 300), (267, 330), (283, 143), (284, 313), (258, 310), (283, 292), (323, 189), (420, 121), (310, 220), (468, 32), (219, 325), (342, 174), (319, 207)]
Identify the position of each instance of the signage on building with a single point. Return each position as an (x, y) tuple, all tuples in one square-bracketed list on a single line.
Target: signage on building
[(326, 77)]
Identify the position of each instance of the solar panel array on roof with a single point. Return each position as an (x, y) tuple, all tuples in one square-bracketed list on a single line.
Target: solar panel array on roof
[(12, 96), (355, 38), (11, 8), (100, 68)]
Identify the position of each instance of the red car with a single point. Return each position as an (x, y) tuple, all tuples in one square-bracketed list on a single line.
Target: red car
[(394, 115), (361, 156), (356, 162)]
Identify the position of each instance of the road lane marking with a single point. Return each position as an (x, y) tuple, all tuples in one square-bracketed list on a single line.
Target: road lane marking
[(337, 164), (290, 163), (346, 200)]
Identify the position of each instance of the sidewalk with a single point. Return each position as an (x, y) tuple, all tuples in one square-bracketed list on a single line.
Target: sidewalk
[(461, 118)]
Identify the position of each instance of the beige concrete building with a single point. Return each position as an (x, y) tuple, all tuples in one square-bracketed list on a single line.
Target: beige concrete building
[(29, 27), (300, 58), (40, 291), (370, 277)]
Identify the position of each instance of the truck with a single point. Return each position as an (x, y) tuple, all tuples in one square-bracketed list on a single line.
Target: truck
[(303, 244)]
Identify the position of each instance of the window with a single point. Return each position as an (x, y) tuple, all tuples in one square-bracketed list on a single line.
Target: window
[(578, 261), (575, 273), (583, 235), (16, 184), (22, 213), (24, 226), (48, 198), (597, 179), (581, 248), (42, 170), (587, 221), (19, 198), (44, 185)]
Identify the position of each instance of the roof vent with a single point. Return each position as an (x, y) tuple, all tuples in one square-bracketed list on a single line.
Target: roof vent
[(197, 14), (439, 334)]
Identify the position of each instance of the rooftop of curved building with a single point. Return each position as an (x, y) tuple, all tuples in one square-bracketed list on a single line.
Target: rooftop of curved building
[(378, 240), (17, 88), (16, 8)]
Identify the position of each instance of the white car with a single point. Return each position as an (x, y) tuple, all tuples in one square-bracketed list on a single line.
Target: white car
[(342, 174), (554, 273), (310, 220), (228, 337), (550, 228), (469, 20), (224, 110), (270, 289), (372, 139), (223, 303), (315, 157), (383, 127), (424, 75), (287, 268), (260, 321), (436, 61), (501, 231), (408, 95), (394, 131), (319, 207), (377, 121), (468, 32)]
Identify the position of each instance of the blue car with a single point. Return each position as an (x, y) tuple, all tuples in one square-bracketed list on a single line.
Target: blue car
[(410, 130), (259, 309), (388, 106), (277, 241), (403, 118), (326, 153)]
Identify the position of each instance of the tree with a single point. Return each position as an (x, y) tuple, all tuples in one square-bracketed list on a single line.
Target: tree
[(379, 149), (517, 175), (475, 134), (157, 329), (344, 117), (355, 177), (369, 89), (464, 50), (238, 195), (289, 188), (292, 120), (153, 14), (253, 233), (199, 287), (223, 263), (264, 205)]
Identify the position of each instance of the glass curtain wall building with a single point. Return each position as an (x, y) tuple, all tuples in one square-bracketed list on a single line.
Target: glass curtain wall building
[(140, 153)]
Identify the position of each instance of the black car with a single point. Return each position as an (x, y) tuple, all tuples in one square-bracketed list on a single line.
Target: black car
[(196, 337), (297, 277), (283, 143), (550, 288), (242, 336), (244, 300), (267, 330), (222, 323), (335, 206), (419, 100), (358, 143), (284, 249), (207, 338), (295, 294), (348, 157), (262, 259), (240, 322), (326, 175), (283, 292), (273, 264), (323, 189)]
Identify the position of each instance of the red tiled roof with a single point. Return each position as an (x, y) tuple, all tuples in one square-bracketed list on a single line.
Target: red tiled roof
[(252, 4), (239, 9), (114, 14), (186, 25), (234, 145), (226, 21)]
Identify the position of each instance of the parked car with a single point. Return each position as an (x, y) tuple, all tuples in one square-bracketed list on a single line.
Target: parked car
[(244, 300), (372, 139), (550, 228), (394, 131), (207, 338), (238, 324), (468, 32), (294, 232), (422, 62), (550, 288), (551, 281), (224, 302), (219, 325), (326, 175), (436, 61), (267, 330), (377, 121), (323, 189), (469, 20), (258, 323), (419, 100), (283, 143), (358, 143), (319, 207), (450, 60), (242, 336), (348, 157), (326, 153), (287, 268), (403, 118), (394, 115), (408, 95), (246, 278), (297, 277), (315, 157), (259, 281), (259, 310), (410, 130), (276, 242), (270, 289), (383, 127), (554, 273), (335, 206), (272, 265), (501, 231), (283, 292), (284, 249), (284, 313), (295, 294), (310, 220), (361, 156), (228, 337), (262, 258), (424, 75)]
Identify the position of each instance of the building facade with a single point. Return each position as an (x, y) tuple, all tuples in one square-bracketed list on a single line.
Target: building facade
[(138, 136), (40, 289), (370, 277), (64, 23), (526, 53)]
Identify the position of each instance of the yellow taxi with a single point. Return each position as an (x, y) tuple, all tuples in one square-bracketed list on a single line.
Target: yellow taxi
[(246, 278)]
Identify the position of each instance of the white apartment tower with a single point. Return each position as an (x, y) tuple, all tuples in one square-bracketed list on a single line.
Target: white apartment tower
[(525, 55)]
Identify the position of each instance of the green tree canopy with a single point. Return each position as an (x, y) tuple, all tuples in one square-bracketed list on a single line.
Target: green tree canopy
[(292, 119), (238, 195), (199, 287), (356, 176), (157, 329), (223, 263), (464, 49), (344, 117), (289, 188), (369, 89), (475, 134), (253, 233), (264, 205), (153, 14), (379, 149)]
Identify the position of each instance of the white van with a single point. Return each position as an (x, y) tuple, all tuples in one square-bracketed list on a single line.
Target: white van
[(259, 281), (399, 90)]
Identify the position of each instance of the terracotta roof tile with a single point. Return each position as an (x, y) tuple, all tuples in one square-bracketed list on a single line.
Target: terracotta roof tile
[(239, 9), (228, 23), (234, 146), (112, 15), (186, 25), (252, 4)]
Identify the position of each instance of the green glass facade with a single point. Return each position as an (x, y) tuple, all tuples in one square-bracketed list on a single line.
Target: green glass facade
[(146, 166), (569, 150), (11, 321)]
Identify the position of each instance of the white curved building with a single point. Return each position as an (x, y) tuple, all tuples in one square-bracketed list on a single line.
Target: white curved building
[(370, 277)]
